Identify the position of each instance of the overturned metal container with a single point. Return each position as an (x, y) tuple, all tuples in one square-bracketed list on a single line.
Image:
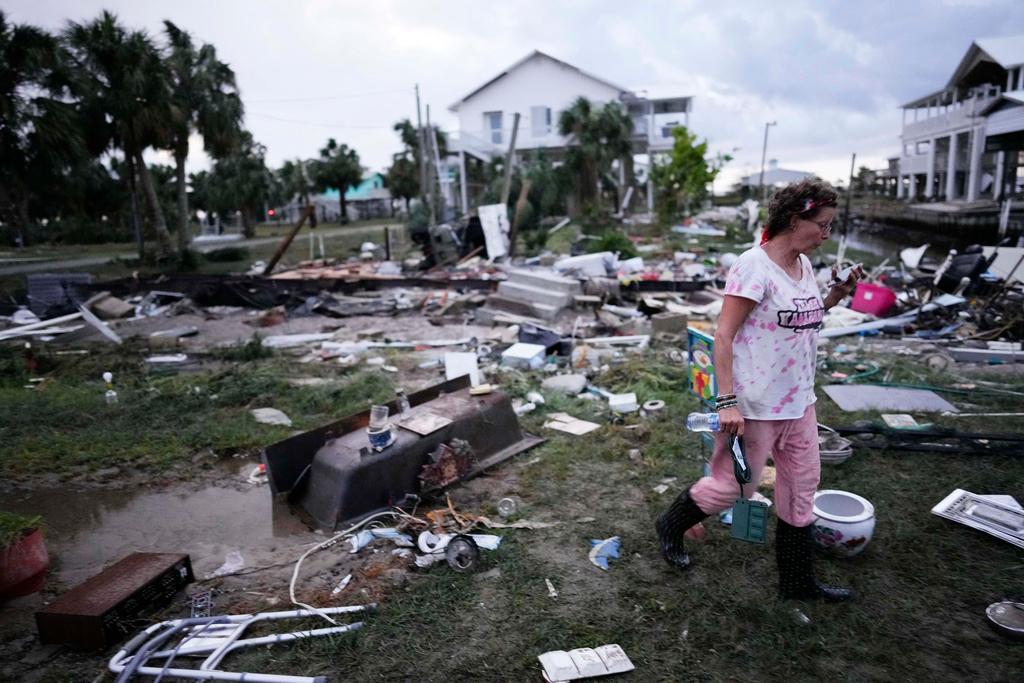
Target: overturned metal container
[(334, 476)]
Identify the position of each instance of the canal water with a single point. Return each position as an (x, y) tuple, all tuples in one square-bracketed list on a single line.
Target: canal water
[(886, 241)]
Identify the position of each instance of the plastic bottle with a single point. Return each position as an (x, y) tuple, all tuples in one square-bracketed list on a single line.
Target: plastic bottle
[(110, 396), (702, 422), (403, 404)]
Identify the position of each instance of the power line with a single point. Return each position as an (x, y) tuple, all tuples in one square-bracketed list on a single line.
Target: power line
[(333, 97), (316, 123)]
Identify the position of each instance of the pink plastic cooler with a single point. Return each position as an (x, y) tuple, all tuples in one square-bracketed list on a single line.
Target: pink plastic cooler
[(873, 299)]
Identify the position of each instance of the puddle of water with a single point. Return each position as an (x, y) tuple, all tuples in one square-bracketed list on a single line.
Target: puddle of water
[(89, 529)]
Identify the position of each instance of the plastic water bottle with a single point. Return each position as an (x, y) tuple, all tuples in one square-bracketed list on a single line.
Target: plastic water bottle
[(110, 396), (403, 404), (702, 422)]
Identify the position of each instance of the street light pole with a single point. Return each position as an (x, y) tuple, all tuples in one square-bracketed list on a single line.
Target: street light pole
[(764, 150)]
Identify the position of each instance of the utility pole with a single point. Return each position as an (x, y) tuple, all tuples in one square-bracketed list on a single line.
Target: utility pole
[(436, 192), (423, 153), (764, 151), (849, 193), (507, 189)]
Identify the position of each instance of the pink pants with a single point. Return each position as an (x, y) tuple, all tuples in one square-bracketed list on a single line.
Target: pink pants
[(793, 444)]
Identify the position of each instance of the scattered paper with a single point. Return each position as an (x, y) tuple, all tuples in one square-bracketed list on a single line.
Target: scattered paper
[(424, 423), (552, 593), (899, 420), (584, 662), (563, 422)]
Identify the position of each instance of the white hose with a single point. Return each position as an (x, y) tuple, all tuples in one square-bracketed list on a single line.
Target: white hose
[(322, 546)]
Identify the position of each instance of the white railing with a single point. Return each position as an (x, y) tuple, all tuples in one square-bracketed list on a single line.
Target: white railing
[(471, 144), (947, 121)]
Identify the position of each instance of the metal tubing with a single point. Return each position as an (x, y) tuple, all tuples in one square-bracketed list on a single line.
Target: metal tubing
[(123, 662)]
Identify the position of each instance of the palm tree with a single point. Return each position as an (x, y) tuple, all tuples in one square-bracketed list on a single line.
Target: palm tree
[(206, 100), (40, 135), (339, 168), (296, 183), (242, 181), (597, 137), (124, 91)]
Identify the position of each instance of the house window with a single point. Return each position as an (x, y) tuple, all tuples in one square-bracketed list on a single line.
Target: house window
[(492, 125), (540, 121), (922, 147), (666, 129)]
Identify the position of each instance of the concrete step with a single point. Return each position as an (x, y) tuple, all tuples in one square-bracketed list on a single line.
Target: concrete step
[(533, 310), (538, 295), (545, 280)]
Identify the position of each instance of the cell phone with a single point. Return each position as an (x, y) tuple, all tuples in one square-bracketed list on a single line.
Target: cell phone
[(844, 274)]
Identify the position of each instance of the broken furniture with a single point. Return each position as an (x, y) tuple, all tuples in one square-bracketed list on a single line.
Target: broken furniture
[(100, 611), (333, 475), (147, 654)]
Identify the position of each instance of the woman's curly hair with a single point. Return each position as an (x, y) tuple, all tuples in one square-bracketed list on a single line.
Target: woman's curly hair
[(799, 199)]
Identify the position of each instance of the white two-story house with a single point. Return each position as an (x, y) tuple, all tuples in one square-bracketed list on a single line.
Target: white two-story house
[(538, 88), (964, 142)]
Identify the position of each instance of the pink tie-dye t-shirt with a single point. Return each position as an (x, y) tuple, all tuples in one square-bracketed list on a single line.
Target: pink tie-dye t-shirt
[(775, 350)]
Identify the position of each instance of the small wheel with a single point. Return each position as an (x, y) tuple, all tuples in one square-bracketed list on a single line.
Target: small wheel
[(462, 553)]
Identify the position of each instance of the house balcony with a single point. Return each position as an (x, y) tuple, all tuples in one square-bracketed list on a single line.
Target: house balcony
[(949, 121)]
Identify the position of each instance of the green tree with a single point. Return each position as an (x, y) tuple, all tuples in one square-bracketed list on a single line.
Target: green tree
[(597, 138), (241, 181), (403, 179), (866, 180), (125, 95), (206, 101), (338, 167), (296, 180), (40, 135), (687, 174)]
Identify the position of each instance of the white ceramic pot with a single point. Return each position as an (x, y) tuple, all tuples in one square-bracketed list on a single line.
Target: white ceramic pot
[(844, 522)]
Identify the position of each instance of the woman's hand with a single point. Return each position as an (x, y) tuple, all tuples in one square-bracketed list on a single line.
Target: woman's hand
[(845, 289), (730, 421)]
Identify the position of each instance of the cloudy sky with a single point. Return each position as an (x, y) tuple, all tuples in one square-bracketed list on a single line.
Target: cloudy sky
[(832, 73)]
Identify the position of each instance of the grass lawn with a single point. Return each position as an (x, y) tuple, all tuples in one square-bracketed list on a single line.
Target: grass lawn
[(924, 582), (160, 421)]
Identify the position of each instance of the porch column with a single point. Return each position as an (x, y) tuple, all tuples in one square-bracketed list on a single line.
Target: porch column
[(997, 189), (463, 191), (899, 186), (974, 174), (929, 182), (951, 170)]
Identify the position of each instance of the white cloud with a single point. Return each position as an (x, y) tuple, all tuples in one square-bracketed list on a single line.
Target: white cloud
[(831, 73)]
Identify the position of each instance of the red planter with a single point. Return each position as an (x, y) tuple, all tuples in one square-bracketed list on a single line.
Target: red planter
[(23, 566)]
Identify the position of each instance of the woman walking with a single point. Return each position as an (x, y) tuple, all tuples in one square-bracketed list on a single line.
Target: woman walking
[(765, 353)]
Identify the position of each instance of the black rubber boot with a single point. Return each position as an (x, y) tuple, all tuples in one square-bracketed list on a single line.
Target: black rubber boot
[(794, 551), (671, 526)]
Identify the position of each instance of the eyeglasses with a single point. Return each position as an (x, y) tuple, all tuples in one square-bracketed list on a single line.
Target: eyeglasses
[(825, 228)]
